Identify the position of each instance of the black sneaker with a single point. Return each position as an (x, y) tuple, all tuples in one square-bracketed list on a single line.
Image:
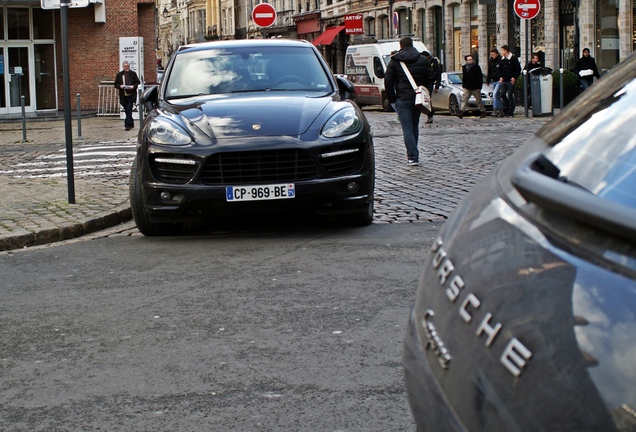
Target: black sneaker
[(430, 120), (412, 162)]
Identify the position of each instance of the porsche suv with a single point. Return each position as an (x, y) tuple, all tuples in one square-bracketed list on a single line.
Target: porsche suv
[(250, 127), (525, 314)]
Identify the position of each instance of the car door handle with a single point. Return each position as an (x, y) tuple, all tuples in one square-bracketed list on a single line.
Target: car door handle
[(539, 182)]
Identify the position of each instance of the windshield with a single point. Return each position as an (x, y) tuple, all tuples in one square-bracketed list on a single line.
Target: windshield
[(244, 69), (600, 152)]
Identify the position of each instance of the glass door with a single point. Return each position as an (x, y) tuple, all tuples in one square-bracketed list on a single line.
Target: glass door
[(3, 86), (17, 78)]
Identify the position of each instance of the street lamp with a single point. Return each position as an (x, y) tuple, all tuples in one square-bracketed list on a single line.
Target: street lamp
[(165, 13)]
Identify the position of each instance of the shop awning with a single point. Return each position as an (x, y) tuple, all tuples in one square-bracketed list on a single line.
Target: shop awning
[(328, 35)]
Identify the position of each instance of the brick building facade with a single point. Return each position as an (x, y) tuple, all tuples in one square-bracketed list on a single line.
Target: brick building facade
[(30, 39)]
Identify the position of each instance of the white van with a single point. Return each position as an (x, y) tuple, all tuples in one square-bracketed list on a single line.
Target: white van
[(365, 66)]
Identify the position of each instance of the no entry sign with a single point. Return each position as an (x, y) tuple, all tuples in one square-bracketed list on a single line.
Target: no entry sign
[(264, 15), (527, 9)]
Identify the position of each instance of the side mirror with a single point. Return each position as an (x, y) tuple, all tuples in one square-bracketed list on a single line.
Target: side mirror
[(379, 72), (346, 88), (149, 98)]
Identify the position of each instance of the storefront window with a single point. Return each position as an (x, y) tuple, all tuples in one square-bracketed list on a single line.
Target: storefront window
[(42, 24), (45, 94), (457, 36), (607, 47), (18, 23)]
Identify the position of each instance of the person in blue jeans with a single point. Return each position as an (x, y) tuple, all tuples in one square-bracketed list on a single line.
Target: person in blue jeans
[(493, 77), (510, 71), (401, 95)]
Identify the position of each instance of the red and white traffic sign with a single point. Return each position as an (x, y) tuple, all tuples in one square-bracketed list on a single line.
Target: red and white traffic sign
[(527, 9), (264, 15)]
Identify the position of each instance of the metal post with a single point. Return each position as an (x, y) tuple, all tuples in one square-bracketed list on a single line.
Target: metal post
[(561, 88), (22, 103), (140, 107), (525, 73), (70, 176), (79, 117)]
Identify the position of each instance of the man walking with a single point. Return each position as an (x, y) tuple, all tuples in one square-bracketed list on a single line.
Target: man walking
[(586, 69), (510, 71), (472, 81), (401, 94), (127, 82), (493, 77), (434, 79)]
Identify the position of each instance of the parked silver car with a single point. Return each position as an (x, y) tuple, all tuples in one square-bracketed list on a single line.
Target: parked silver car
[(449, 96)]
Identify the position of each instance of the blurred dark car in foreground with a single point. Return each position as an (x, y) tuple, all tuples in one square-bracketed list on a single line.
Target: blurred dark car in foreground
[(250, 127), (525, 315)]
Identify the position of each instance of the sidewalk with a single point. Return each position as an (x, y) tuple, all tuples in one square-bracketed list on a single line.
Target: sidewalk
[(36, 211)]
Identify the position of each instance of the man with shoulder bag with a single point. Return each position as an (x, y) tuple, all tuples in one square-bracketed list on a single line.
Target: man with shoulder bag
[(401, 94)]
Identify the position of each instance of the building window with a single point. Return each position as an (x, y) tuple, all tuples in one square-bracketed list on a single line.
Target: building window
[(457, 36), (371, 27), (422, 27), (18, 23), (474, 31), (607, 46)]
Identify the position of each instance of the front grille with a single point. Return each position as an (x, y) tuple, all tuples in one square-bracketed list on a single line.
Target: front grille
[(341, 162), (264, 166), (172, 169)]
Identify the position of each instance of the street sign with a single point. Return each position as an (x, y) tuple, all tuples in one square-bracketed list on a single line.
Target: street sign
[(396, 20), (264, 15), (55, 4), (527, 9)]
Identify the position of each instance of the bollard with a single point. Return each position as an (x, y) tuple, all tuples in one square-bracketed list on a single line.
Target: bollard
[(140, 107), (22, 103), (79, 117), (561, 89)]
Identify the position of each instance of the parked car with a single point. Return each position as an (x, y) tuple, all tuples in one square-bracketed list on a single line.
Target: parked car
[(449, 96), (525, 314), (248, 127)]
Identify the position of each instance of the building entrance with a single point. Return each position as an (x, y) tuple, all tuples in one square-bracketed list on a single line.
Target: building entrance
[(16, 79)]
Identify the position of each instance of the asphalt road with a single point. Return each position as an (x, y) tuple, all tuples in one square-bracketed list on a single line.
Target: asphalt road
[(275, 328)]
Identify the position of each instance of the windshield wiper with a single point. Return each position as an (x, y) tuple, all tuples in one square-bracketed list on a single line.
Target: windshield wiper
[(538, 180)]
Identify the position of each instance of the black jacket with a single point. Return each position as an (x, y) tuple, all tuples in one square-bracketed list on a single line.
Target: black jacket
[(119, 80), (396, 82), (435, 74), (472, 77), (510, 68), (585, 63), (494, 69)]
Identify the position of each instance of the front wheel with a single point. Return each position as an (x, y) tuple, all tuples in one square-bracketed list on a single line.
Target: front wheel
[(453, 106), (363, 218), (139, 212)]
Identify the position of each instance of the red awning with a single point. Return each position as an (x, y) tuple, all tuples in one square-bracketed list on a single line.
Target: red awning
[(328, 36)]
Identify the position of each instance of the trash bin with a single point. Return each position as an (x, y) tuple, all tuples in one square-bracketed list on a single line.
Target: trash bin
[(541, 91)]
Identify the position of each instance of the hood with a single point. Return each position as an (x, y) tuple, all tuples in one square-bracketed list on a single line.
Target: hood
[(407, 55), (248, 115)]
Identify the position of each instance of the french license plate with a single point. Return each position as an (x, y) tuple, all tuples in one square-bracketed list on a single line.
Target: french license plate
[(260, 193), (487, 102)]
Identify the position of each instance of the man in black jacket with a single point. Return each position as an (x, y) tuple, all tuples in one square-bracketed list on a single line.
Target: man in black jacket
[(472, 81), (510, 71), (127, 82), (401, 94), (494, 75), (586, 69)]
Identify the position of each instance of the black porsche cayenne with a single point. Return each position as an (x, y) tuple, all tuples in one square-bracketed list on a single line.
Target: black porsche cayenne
[(249, 127), (525, 315)]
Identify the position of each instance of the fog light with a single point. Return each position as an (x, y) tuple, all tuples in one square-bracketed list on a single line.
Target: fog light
[(165, 196), (352, 186)]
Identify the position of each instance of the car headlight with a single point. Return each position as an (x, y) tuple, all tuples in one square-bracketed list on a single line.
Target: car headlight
[(162, 131), (344, 122)]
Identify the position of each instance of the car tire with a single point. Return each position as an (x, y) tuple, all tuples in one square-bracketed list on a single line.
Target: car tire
[(386, 105), (453, 105), (140, 217)]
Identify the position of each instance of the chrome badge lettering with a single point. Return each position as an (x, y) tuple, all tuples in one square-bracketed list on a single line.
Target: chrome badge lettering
[(435, 342), (515, 355)]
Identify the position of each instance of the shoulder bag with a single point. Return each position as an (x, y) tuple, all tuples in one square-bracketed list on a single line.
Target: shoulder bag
[(422, 96)]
